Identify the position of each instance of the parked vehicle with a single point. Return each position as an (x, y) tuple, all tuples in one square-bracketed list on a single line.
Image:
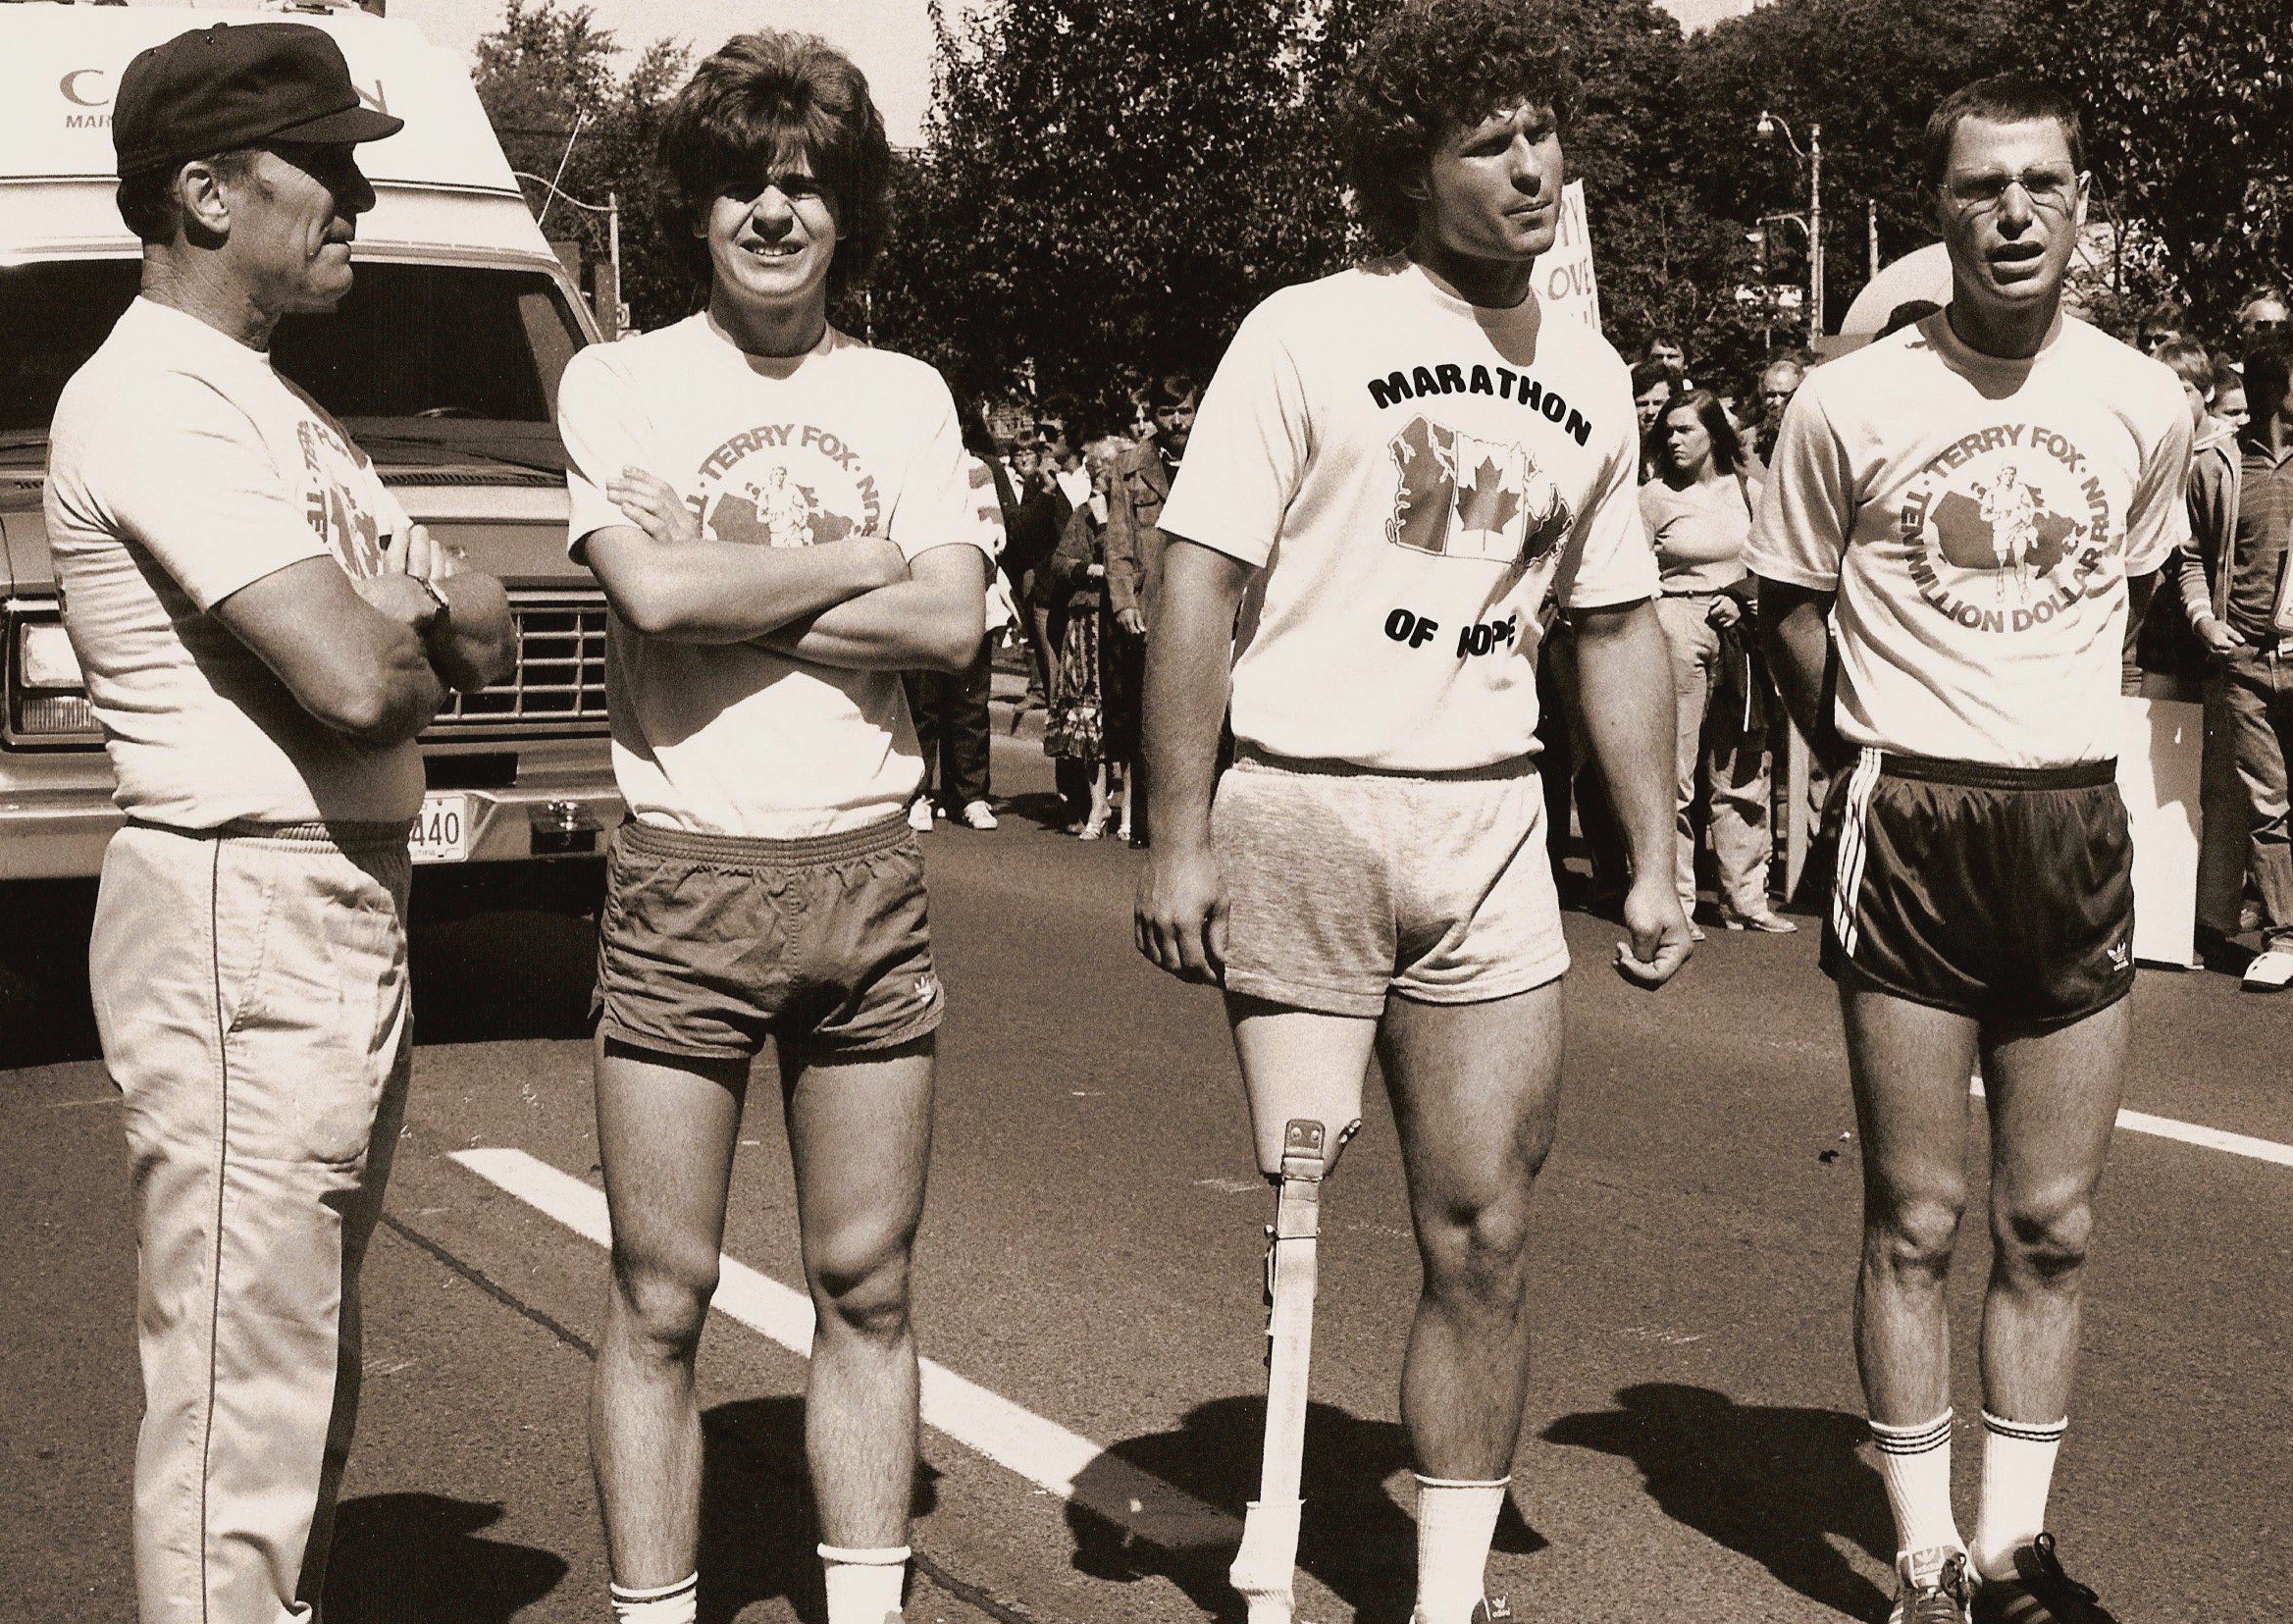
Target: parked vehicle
[(443, 364)]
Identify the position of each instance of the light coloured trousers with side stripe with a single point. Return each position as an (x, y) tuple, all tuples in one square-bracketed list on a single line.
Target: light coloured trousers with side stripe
[(250, 992)]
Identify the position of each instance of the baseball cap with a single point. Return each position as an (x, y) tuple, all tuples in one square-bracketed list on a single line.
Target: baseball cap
[(233, 86)]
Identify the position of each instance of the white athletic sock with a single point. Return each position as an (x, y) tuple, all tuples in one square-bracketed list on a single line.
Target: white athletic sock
[(669, 1604), (1455, 1522), (864, 1586), (2019, 1468), (1915, 1463)]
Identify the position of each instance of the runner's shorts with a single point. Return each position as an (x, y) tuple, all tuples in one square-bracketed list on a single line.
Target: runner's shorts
[(709, 944), (2001, 893), (1346, 885)]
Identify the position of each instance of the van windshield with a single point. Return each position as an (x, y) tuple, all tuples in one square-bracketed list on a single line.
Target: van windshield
[(424, 361)]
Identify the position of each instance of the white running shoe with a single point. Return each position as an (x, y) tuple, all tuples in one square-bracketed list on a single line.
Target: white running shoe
[(919, 815), (978, 815), (2272, 969), (1933, 1586)]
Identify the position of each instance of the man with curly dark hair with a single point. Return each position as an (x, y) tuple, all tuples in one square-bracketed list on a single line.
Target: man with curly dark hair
[(1391, 473), (783, 519)]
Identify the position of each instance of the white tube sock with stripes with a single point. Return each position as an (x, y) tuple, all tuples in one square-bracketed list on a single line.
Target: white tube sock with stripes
[(2019, 1470), (668, 1605), (1455, 1522), (864, 1586), (1915, 1463)]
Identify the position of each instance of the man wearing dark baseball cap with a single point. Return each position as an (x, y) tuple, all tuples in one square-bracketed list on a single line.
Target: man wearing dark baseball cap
[(264, 632)]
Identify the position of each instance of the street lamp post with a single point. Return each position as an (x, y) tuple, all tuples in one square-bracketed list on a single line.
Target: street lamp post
[(611, 208), (1812, 153)]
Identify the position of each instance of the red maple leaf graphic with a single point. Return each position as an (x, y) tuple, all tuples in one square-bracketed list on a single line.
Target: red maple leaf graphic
[(1486, 503)]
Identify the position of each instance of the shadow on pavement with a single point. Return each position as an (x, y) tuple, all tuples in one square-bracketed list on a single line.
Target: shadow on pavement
[(503, 976), (45, 1017), (1775, 1484), (493, 966), (1355, 1539), (758, 1535), (420, 1559)]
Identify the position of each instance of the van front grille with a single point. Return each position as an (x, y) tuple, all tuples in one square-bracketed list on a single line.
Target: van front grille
[(558, 685)]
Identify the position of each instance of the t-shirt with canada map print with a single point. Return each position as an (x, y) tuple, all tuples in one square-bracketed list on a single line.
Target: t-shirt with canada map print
[(1978, 519), (843, 441), (1415, 475)]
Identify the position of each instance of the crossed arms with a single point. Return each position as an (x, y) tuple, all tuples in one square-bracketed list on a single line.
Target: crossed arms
[(857, 604), (373, 658)]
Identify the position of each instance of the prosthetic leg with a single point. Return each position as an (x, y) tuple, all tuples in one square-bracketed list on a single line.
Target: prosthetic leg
[(1299, 1135)]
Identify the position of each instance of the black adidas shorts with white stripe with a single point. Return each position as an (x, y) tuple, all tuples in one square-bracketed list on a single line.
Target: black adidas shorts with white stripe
[(2001, 893)]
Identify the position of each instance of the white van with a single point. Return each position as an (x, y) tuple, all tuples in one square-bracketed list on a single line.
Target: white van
[(442, 363)]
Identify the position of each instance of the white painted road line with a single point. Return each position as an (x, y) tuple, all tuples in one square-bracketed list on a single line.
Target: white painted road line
[(1042, 1452), (2195, 1134)]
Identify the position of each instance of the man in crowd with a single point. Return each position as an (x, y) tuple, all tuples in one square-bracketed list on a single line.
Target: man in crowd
[(2234, 585), (2265, 315), (264, 632), (1977, 502), (766, 885), (1779, 381), (1134, 558), (1393, 470), (1666, 351), (2166, 323)]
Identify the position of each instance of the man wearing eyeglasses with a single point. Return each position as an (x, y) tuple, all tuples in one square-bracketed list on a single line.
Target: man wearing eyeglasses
[(1975, 503)]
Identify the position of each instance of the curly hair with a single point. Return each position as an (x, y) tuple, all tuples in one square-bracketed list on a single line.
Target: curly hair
[(760, 99), (1434, 67)]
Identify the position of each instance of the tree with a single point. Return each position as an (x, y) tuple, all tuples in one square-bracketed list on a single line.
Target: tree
[(2189, 126), (548, 70), (1085, 204), (1869, 72)]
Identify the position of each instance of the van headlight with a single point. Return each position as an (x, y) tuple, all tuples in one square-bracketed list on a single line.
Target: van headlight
[(47, 695)]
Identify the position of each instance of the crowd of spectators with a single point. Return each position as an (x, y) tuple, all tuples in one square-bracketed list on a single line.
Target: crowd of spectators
[(1081, 488)]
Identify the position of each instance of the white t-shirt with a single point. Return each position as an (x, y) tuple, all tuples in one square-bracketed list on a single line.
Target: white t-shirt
[(737, 739), (1978, 519), (1414, 474), (1697, 518), (180, 469)]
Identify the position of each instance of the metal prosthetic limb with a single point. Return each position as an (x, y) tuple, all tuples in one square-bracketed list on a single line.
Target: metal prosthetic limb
[(1262, 1570)]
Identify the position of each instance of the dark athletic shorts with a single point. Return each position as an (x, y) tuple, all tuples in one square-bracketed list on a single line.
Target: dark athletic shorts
[(710, 944), (2001, 893)]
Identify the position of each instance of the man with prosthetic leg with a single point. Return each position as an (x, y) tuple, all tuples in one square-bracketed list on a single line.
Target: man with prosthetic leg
[(1957, 523), (1393, 471)]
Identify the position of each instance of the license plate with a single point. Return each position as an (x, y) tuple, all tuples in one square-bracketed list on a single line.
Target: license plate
[(442, 834)]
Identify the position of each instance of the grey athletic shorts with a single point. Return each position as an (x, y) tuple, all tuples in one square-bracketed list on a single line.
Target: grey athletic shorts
[(710, 944), (1346, 885)]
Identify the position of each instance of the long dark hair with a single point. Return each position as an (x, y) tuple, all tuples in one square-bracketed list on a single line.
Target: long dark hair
[(1727, 444)]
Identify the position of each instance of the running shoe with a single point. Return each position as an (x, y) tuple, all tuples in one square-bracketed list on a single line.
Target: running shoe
[(978, 815), (1489, 1610), (2040, 1592), (2270, 970), (1931, 1587)]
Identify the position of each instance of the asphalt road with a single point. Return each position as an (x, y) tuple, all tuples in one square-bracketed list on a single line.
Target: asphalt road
[(1092, 1254)]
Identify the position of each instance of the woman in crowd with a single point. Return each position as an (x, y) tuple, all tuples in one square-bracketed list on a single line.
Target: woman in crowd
[(1700, 523)]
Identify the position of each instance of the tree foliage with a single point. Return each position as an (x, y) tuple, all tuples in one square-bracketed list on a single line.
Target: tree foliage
[(1103, 186), (545, 71), (2189, 124)]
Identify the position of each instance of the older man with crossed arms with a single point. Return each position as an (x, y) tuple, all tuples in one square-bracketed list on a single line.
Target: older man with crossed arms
[(264, 632)]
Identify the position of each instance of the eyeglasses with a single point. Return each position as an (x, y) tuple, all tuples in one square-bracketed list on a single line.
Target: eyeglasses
[(2048, 189)]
